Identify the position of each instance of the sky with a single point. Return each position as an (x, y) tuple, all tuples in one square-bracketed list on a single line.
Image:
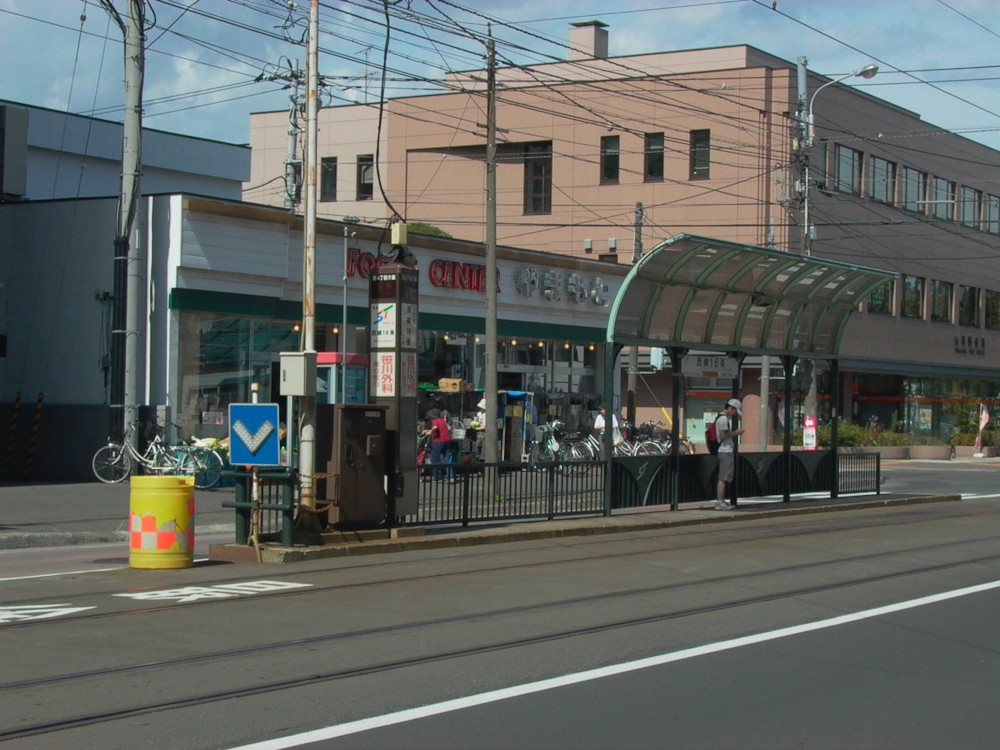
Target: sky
[(211, 63)]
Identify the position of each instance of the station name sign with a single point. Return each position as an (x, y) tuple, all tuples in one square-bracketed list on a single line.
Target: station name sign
[(709, 366)]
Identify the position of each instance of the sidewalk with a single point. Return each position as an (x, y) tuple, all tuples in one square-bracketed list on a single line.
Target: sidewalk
[(53, 515), (49, 515)]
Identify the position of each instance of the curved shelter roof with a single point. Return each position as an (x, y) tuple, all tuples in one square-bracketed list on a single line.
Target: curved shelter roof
[(706, 294)]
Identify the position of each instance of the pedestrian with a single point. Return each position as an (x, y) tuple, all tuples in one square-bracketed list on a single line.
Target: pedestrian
[(599, 422), (479, 424), (724, 429), (441, 448)]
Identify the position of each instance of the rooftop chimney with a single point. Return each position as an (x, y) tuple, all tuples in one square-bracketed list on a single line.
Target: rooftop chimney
[(588, 40)]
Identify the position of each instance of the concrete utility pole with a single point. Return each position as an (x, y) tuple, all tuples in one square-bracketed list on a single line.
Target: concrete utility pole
[(633, 351), (127, 271), (804, 146), (307, 404), (492, 347)]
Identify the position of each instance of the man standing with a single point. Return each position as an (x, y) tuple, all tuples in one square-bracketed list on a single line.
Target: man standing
[(727, 458), (599, 422)]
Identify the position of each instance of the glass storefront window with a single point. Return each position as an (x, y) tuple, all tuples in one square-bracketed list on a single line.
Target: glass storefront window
[(219, 356)]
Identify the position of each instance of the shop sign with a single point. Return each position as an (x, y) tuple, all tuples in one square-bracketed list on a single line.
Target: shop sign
[(383, 375), (550, 285)]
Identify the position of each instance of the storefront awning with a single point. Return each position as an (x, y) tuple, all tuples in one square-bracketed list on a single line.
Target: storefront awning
[(706, 294)]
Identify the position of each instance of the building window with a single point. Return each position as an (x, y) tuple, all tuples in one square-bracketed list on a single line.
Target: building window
[(653, 151), (913, 297), (610, 158), (968, 306), (941, 293), (913, 189), (701, 152), (880, 300), (847, 170), (328, 179), (366, 177), (942, 199), (881, 180), (991, 214), (993, 310), (969, 203), (538, 178)]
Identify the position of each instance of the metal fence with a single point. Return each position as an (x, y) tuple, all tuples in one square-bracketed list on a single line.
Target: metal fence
[(278, 501), (508, 491)]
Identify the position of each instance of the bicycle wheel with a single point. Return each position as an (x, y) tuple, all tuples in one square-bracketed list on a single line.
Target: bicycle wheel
[(208, 468), (111, 464), (648, 448), (579, 456)]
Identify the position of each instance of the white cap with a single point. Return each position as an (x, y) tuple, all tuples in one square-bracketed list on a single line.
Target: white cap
[(481, 404), (735, 403)]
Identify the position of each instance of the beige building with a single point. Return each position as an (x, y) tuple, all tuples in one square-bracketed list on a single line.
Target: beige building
[(603, 157)]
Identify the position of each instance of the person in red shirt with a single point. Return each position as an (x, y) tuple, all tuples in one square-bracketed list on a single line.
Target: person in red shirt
[(441, 447)]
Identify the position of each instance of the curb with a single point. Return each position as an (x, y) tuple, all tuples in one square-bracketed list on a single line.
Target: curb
[(33, 539), (529, 531)]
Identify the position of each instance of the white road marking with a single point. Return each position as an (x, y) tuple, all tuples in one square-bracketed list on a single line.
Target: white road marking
[(77, 572), (399, 717), (24, 612)]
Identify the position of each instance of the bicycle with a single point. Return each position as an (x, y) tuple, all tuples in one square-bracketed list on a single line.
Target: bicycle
[(549, 449), (115, 462)]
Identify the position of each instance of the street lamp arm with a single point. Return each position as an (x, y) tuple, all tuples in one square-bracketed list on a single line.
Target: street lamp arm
[(868, 71)]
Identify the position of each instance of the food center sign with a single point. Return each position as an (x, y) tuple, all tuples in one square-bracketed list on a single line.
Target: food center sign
[(709, 366)]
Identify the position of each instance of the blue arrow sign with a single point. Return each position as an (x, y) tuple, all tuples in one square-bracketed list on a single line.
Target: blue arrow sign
[(253, 435)]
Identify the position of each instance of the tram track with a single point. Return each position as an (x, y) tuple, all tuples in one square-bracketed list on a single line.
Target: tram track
[(320, 677), (736, 535)]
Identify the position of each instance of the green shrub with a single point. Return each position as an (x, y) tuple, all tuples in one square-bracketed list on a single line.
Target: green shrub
[(969, 438), (852, 435)]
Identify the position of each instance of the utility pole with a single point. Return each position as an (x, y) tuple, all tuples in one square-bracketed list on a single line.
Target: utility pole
[(490, 353), (804, 146), (633, 351), (307, 404), (124, 315)]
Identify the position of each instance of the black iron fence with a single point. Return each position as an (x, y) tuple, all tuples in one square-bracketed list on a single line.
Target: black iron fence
[(509, 491)]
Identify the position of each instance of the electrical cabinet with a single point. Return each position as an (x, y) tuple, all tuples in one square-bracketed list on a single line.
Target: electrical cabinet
[(352, 438)]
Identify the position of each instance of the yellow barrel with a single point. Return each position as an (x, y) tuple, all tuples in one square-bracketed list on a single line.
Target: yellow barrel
[(161, 522)]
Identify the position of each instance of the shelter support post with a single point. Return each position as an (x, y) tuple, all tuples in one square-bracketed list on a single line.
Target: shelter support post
[(676, 356), (734, 490), (835, 406), (788, 362), (611, 352)]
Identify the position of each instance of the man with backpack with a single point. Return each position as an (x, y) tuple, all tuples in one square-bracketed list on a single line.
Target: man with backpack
[(727, 459)]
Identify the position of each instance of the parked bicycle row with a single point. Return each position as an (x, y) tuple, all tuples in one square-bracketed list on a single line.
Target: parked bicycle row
[(115, 462), (553, 444)]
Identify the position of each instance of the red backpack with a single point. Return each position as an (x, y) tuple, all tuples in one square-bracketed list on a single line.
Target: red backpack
[(712, 436)]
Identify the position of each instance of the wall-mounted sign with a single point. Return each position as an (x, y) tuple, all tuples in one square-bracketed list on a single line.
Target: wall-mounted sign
[(709, 366)]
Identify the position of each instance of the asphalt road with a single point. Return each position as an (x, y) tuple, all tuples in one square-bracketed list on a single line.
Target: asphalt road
[(746, 634)]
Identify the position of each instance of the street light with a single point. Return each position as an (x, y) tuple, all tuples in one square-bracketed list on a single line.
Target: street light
[(806, 142), (868, 71)]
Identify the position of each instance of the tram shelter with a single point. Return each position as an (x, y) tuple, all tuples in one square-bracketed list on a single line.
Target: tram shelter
[(697, 294)]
